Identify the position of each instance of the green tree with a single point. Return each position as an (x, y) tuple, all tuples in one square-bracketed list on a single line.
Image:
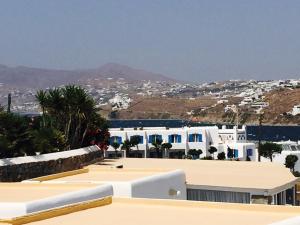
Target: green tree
[(290, 162), (166, 147), (14, 136), (134, 141), (268, 149), (126, 145), (115, 145), (221, 156), (195, 153), (212, 150)]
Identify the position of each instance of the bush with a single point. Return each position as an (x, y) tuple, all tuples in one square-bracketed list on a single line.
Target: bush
[(296, 174), (187, 157), (194, 153), (221, 156), (207, 158)]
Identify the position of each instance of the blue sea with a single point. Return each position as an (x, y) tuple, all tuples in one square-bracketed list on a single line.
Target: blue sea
[(268, 133)]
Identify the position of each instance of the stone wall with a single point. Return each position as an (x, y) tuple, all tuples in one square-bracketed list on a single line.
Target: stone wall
[(13, 172)]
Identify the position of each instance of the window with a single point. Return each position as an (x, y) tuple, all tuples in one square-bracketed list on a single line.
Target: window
[(140, 138), (115, 139), (293, 147), (249, 152), (175, 138), (195, 137), (154, 138)]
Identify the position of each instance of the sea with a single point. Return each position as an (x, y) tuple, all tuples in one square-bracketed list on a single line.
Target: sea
[(268, 132)]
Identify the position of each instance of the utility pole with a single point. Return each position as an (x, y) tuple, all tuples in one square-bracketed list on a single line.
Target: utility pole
[(261, 117)]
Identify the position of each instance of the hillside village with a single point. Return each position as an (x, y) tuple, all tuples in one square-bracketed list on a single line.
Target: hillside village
[(207, 102)]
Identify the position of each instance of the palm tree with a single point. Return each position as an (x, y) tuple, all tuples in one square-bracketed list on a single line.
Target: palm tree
[(73, 112), (42, 98), (157, 146)]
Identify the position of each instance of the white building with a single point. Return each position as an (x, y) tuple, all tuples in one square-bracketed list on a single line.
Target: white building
[(184, 139), (296, 110)]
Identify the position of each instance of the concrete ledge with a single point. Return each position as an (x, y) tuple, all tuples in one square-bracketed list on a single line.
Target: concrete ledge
[(59, 175), (13, 210), (57, 212)]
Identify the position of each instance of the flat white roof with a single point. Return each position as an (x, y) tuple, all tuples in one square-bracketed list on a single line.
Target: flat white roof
[(217, 173), (21, 192), (100, 174), (173, 212)]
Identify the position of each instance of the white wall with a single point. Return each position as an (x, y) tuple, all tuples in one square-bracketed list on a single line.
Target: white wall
[(280, 158), (169, 185), (242, 149), (10, 210), (157, 186)]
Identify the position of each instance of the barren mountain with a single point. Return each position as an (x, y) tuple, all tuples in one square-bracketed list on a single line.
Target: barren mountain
[(22, 76), (114, 70)]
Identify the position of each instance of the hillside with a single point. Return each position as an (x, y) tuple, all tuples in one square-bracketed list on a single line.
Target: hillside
[(282, 101), (163, 108), (22, 76), (205, 109)]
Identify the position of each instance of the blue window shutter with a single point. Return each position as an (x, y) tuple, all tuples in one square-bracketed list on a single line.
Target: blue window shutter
[(150, 139), (170, 138), (190, 137), (120, 140), (160, 137), (141, 139), (249, 152), (179, 138), (236, 153), (200, 137)]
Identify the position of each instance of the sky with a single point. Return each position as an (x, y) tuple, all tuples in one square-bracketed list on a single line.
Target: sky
[(194, 40)]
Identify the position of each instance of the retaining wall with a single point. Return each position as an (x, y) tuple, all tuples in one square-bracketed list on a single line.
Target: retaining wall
[(22, 168)]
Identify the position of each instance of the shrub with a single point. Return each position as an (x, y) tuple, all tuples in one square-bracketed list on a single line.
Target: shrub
[(221, 156), (207, 158)]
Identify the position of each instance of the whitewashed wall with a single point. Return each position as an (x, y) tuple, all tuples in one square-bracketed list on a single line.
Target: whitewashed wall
[(169, 185), (10, 210)]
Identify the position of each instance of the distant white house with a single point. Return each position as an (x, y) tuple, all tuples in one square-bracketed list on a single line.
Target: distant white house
[(296, 110)]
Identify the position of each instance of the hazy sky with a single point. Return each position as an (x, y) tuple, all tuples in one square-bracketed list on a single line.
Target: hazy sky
[(188, 39)]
